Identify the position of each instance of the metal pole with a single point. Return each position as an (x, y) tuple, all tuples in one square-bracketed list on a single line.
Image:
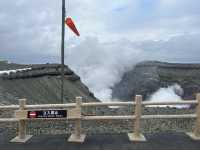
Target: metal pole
[(62, 51)]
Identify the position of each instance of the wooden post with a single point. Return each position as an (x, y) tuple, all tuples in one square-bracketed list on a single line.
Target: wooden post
[(195, 135), (21, 115), (136, 135), (77, 131), (22, 123), (77, 136)]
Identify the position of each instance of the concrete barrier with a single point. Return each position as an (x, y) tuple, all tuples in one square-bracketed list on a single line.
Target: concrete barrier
[(73, 111)]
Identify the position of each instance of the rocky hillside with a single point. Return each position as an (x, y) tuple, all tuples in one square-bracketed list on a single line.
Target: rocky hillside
[(40, 84), (147, 77)]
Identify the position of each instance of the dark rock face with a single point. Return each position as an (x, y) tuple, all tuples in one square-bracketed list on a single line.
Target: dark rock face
[(147, 77), (40, 84)]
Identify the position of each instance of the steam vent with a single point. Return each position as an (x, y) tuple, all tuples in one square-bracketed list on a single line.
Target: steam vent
[(148, 76)]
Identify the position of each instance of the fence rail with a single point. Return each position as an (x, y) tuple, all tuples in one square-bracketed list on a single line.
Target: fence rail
[(52, 106), (73, 112)]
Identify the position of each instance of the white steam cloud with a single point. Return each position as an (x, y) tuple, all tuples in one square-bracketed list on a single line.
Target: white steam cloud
[(101, 66), (170, 94)]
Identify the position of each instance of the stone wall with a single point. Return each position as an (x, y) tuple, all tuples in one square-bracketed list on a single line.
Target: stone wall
[(116, 126)]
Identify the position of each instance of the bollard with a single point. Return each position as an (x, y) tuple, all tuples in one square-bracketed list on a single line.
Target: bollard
[(195, 135), (137, 136), (77, 136), (21, 114)]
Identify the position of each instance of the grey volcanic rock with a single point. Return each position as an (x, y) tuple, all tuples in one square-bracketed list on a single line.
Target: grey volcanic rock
[(147, 77), (40, 84)]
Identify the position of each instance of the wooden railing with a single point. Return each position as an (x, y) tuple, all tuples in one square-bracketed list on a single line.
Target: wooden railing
[(74, 112)]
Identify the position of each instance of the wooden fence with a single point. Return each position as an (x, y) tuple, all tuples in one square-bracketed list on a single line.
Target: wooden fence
[(72, 111)]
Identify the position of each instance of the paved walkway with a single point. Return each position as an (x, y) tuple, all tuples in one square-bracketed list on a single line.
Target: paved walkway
[(161, 141)]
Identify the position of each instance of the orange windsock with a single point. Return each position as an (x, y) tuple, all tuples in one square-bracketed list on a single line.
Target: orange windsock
[(69, 22)]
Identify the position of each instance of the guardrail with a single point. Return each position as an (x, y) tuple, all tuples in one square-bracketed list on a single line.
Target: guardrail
[(72, 111)]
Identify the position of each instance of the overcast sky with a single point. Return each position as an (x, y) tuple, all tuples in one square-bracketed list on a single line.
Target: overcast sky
[(115, 34)]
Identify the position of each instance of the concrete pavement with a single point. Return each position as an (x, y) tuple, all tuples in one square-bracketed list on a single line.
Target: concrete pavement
[(160, 141)]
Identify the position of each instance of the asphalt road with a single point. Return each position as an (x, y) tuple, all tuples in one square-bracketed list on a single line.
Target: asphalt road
[(161, 141)]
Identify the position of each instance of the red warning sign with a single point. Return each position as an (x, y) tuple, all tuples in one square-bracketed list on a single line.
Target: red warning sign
[(32, 114), (47, 114)]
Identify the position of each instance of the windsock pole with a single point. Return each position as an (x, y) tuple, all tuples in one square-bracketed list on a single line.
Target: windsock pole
[(62, 51)]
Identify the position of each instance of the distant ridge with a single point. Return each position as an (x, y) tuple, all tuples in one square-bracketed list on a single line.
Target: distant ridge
[(148, 76), (40, 84), (169, 65)]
